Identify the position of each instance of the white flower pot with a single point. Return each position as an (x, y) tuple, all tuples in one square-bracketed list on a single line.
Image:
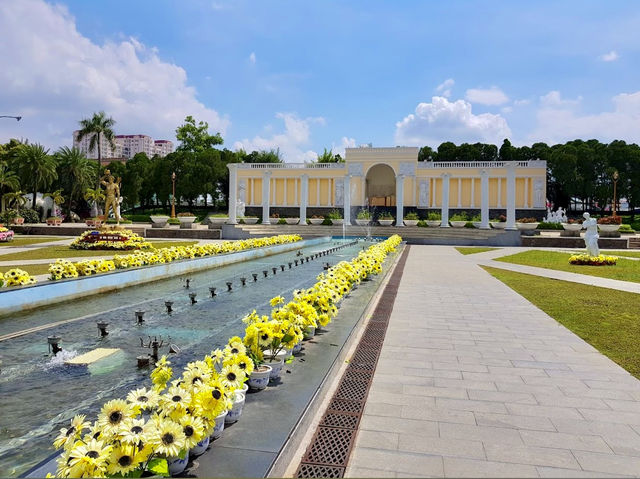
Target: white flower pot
[(284, 354), (159, 221), (411, 222), (609, 228), (292, 221), (276, 368), (244, 389), (297, 348), (219, 427), (499, 225), (316, 221), (337, 221), (177, 465), (217, 220), (362, 222), (385, 222), (199, 448), (250, 220), (236, 411), (458, 224), (571, 226), (477, 224), (309, 332), (186, 222), (527, 226), (434, 223), (259, 379)]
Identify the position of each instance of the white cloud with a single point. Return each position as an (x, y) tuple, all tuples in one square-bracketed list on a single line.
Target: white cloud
[(54, 76), (521, 102), (445, 87), (442, 120), (612, 56), (345, 142), (291, 143), (506, 109), (487, 96), (559, 120), (252, 58)]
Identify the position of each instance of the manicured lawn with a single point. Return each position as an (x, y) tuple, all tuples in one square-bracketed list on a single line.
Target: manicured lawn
[(607, 319), (32, 269), (473, 249), (625, 270), (20, 240), (53, 252), (625, 252)]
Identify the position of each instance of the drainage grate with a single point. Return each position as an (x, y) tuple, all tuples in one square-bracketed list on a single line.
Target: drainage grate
[(330, 448)]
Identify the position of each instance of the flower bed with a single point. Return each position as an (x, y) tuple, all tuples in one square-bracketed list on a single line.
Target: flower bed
[(16, 277), (155, 426), (586, 259), (110, 239), (5, 234), (64, 269)]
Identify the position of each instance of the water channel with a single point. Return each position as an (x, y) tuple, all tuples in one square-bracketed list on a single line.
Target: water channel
[(39, 393)]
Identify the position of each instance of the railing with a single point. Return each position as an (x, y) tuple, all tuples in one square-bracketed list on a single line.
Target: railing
[(478, 164), (290, 166)]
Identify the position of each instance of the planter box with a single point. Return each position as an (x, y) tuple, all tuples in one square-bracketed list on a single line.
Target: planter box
[(6, 236), (385, 222), (57, 222), (411, 222), (250, 220), (609, 231), (527, 226), (338, 221), (186, 222), (477, 224), (434, 223), (499, 225), (17, 221), (159, 221), (316, 221), (217, 220), (292, 221), (94, 223), (458, 224), (362, 222)]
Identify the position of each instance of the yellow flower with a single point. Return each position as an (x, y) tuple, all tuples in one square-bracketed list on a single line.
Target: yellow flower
[(193, 429), (167, 437), (232, 376), (124, 459), (68, 436), (276, 301), (132, 431), (143, 399), (113, 414), (88, 460)]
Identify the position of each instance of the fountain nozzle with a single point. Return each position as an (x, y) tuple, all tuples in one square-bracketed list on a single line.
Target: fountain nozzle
[(243, 281), (274, 270), (168, 304), (255, 276), (53, 344), (229, 286), (212, 290), (139, 317), (281, 267), (289, 265), (187, 283), (102, 327), (265, 272), (192, 297)]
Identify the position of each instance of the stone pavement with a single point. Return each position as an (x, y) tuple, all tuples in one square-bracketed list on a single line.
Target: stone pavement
[(473, 380)]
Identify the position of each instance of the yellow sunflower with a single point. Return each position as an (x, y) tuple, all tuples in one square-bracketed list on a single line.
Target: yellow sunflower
[(232, 376), (113, 414), (193, 429), (133, 431), (143, 399), (68, 436), (167, 437), (124, 459), (89, 460)]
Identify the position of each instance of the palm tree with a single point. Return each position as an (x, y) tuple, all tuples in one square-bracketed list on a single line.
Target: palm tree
[(95, 196), (57, 198), (98, 125), (80, 171), (38, 166), (8, 180)]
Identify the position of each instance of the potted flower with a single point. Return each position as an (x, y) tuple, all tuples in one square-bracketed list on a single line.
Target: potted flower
[(499, 223), (292, 221), (159, 221), (186, 220), (94, 222), (609, 226), (476, 221), (54, 221), (363, 218), (249, 220), (217, 219), (336, 217), (316, 220), (434, 218), (527, 224), (572, 227), (385, 219), (458, 220), (411, 219), (17, 220), (6, 235)]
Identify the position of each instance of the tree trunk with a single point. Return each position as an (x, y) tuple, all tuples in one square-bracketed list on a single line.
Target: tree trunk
[(35, 190), (99, 162)]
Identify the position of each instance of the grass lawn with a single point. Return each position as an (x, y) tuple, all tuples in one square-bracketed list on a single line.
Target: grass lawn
[(32, 269), (607, 319), (626, 252), (53, 252), (473, 249), (20, 240), (625, 270)]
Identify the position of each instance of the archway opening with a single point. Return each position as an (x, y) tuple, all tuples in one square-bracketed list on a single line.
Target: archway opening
[(381, 186)]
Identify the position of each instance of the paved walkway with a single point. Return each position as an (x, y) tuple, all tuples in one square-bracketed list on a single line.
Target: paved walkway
[(474, 380)]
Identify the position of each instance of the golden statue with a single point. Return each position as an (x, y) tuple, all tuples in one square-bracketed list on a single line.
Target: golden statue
[(112, 194)]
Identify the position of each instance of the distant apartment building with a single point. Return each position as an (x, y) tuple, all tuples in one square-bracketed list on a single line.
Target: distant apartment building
[(126, 146)]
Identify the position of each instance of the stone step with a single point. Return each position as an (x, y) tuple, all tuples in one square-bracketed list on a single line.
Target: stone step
[(374, 231), (633, 243)]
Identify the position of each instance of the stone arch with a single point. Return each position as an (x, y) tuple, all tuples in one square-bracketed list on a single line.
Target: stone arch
[(380, 183)]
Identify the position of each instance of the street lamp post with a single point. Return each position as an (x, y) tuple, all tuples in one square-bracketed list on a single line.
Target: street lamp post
[(615, 185), (173, 196), (18, 118)]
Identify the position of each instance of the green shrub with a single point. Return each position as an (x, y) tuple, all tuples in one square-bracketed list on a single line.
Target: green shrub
[(469, 224), (173, 221), (434, 216), (282, 221), (411, 216), (8, 216), (623, 228), (549, 226), (422, 224), (139, 218), (123, 221), (335, 215), (29, 215), (364, 215), (462, 216)]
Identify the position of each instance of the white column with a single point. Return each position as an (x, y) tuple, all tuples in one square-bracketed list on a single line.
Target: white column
[(433, 192), (400, 200), (253, 192), (499, 192), (459, 192), (511, 196), (473, 192), (347, 200), (285, 192), (304, 196), (266, 191), (413, 189), (484, 208), (274, 184), (445, 201), (526, 192), (233, 192)]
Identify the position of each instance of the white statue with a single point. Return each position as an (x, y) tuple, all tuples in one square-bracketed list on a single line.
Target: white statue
[(423, 199), (49, 208), (242, 188), (591, 236), (339, 192), (558, 216), (239, 209), (538, 193)]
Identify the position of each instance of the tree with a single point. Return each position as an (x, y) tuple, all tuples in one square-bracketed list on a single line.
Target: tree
[(38, 167), (507, 152), (95, 128), (327, 156), (8, 181), (426, 153), (447, 151), (196, 138), (79, 173), (14, 198)]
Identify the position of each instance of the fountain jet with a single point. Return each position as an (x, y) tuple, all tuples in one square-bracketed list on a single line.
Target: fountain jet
[(243, 281), (192, 297), (102, 327), (255, 277), (140, 317), (53, 344), (212, 290), (229, 286), (168, 304)]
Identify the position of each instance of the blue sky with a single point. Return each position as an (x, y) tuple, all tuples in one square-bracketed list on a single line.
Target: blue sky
[(307, 75)]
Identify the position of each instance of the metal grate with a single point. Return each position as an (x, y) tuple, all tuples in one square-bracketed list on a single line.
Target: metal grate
[(330, 448)]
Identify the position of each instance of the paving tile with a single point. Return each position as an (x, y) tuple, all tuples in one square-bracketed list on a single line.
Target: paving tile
[(565, 441), (501, 396), (608, 463), (398, 462), (399, 425), (441, 446), (471, 405), (460, 467), (537, 456), (557, 472), (366, 472), (377, 439), (514, 421), (542, 411), (438, 414), (485, 434)]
